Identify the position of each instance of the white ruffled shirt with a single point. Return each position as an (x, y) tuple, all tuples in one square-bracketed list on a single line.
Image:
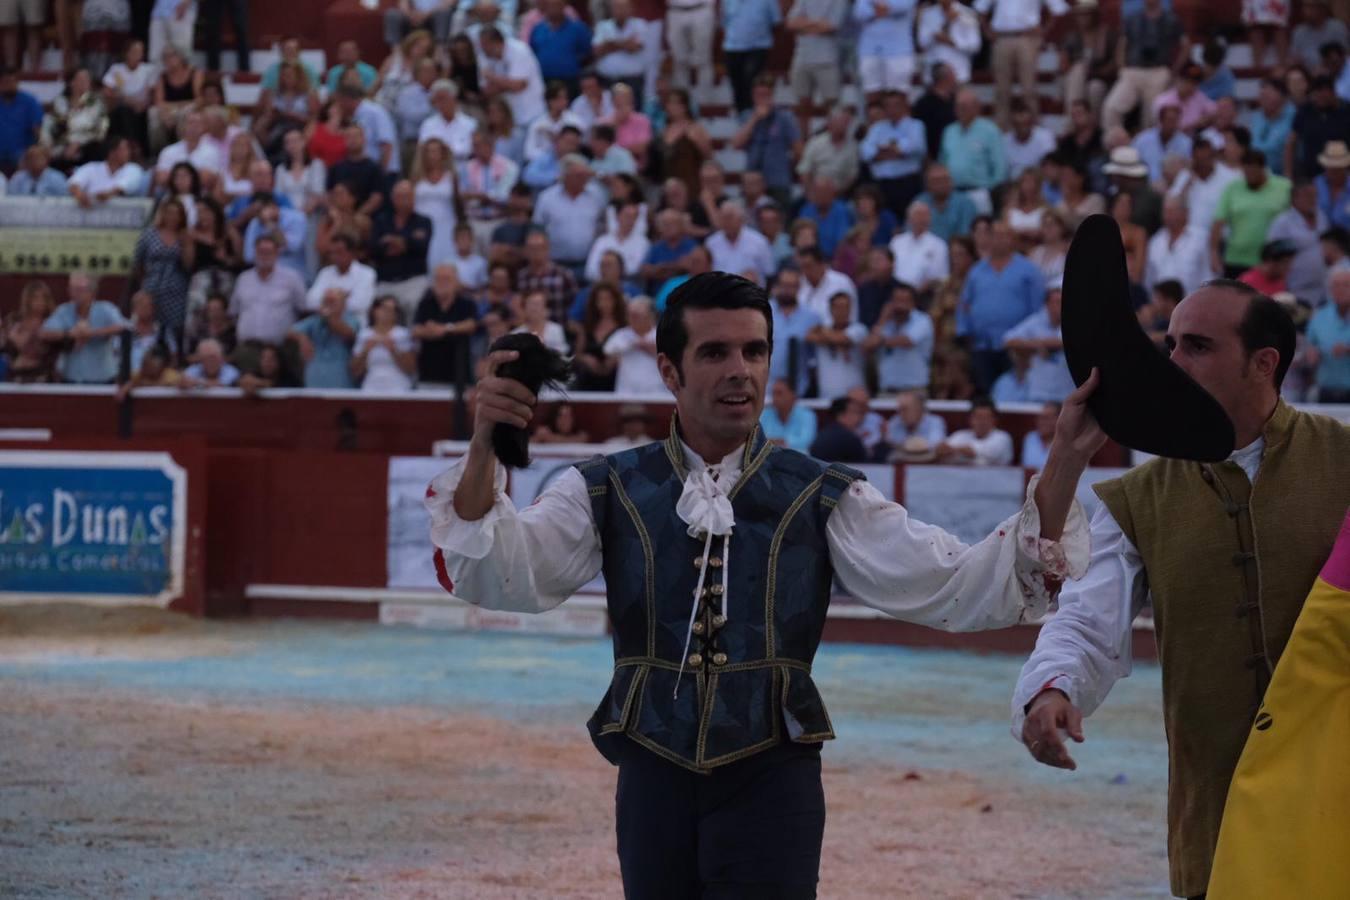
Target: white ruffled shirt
[(533, 559)]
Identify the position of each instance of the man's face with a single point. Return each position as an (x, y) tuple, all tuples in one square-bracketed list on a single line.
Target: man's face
[(811, 268), (1168, 119), (1022, 120), (967, 107), (348, 53), (265, 254), (260, 176), (35, 160), (783, 398), (1304, 199), (730, 218), (80, 290), (355, 142), (9, 85), (1002, 240), (1340, 290), (1174, 214), (840, 308), (894, 105), (193, 128), (575, 177), (1203, 340), (402, 197), (720, 384), (341, 255), (903, 300), (920, 218), (762, 95), (536, 249), (1081, 117), (446, 104), (982, 421), (786, 288), (1255, 175), (939, 182), (910, 408), (752, 184), (118, 154)]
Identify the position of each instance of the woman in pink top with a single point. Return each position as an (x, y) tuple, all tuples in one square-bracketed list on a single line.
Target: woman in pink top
[(632, 130)]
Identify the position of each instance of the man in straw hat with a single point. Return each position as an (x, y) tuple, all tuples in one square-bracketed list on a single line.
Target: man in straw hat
[(718, 550), (1333, 189)]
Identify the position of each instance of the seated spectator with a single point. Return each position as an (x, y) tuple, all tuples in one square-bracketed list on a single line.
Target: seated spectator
[(786, 422), (874, 279), (632, 129), (920, 255), (894, 149), (666, 257), (84, 329), (1014, 385), (1025, 208), (1203, 183), (838, 441), (1178, 251), (1050, 254), (212, 320), (1271, 275), (268, 371), (634, 349), (127, 91), (982, 444), (30, 358), (362, 175), (1048, 378), (384, 358), (1195, 109), (953, 213), (542, 134), (192, 149), (1329, 342), (560, 427), (411, 106), (355, 281), (21, 118), (1333, 185), (1027, 142), (1301, 226), (912, 423), (1036, 444), (155, 370), (628, 241), (609, 158), (1076, 202), (116, 176), (398, 249), (832, 216), (432, 15), (446, 320), (508, 239), (1157, 315), (485, 184), (832, 153), (632, 428), (210, 370), (535, 321), (471, 267), (902, 339), (235, 181), (840, 353), (570, 213), (291, 105), (540, 273), (820, 284), (1271, 121), (450, 125), (349, 59), (879, 223), (737, 248), (177, 90), (593, 103), (1164, 139), (77, 123), (604, 314), (697, 262), (36, 177)]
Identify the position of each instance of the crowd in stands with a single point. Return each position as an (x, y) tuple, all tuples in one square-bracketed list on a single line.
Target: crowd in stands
[(558, 169)]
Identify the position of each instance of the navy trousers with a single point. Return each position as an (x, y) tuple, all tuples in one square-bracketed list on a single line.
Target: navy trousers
[(749, 830)]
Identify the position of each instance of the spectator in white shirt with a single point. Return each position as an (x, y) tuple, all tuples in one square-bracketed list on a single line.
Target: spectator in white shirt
[(1027, 142), (384, 357), (619, 46), (509, 69), (210, 369), (820, 283), (535, 321), (920, 256), (1203, 183), (116, 176), (594, 103), (839, 349), (949, 32), (1179, 250), (982, 444), (129, 85), (352, 280), (193, 148), (634, 350), (627, 240), (543, 131), (739, 249), (449, 125)]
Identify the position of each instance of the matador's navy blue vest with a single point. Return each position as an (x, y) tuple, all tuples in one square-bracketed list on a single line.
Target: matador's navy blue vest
[(747, 680)]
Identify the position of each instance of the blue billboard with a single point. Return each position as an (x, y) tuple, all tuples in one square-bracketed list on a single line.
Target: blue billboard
[(91, 526)]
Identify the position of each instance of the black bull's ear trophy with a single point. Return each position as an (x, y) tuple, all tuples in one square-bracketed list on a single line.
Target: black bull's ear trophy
[(1144, 401), (536, 367)]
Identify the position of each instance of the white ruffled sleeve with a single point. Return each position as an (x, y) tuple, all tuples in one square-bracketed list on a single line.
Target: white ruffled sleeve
[(922, 574), (526, 561)]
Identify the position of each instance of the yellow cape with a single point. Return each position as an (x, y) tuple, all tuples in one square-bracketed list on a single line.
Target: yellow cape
[(1286, 825)]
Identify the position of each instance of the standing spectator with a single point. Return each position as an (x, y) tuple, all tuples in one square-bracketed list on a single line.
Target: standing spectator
[(983, 443), (1134, 237), (432, 15), (508, 239), (508, 69), (85, 328), (632, 129), (832, 152), (792, 355), (446, 320), (353, 280), (684, 142), (770, 139), (1081, 146), (620, 47), (1129, 176), (485, 186), (1038, 335), (398, 249), (1317, 29), (786, 422), (953, 214), (886, 58), (1014, 385), (1325, 117), (972, 149), (1329, 337), (913, 420), (1087, 58), (267, 298), (815, 58), (349, 60), (361, 174), (164, 260), (1271, 121), (949, 33), (1024, 209), (1195, 108), (747, 36), (1179, 251), (903, 341), (690, 25), (341, 216), (894, 149), (840, 353), (436, 197), (820, 284), (1301, 227), (936, 109), (838, 441), (1203, 183), (1155, 44), (562, 44), (31, 359), (411, 107), (289, 107), (627, 240), (1028, 142), (324, 342), (832, 216), (172, 23), (570, 213), (1265, 19), (20, 118), (37, 178), (1016, 27), (1333, 185), (737, 248), (116, 176), (384, 359), (33, 16), (377, 125), (534, 320), (605, 313), (999, 293), (1246, 208), (210, 370), (127, 88), (214, 21), (77, 122), (542, 274), (634, 349), (1162, 140), (449, 125), (920, 255), (1036, 443), (666, 258)]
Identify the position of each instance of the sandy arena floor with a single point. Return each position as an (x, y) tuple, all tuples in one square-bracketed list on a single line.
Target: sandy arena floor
[(150, 755)]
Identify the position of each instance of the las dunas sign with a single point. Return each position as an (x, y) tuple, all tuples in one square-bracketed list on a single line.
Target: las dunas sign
[(91, 526)]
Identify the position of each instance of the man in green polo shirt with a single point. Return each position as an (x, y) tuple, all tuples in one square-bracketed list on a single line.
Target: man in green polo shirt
[(1246, 208)]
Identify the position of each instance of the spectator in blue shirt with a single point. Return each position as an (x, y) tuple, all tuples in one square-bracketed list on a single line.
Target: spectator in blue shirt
[(953, 213), (325, 342), (1219, 80), (562, 45), (786, 422), (1048, 378), (972, 148), (903, 340), (771, 140), (1333, 185), (1014, 385), (37, 178), (288, 225), (349, 57), (831, 215), (792, 355), (20, 118), (85, 329), (1163, 140), (895, 149), (747, 36), (1329, 342), (1000, 292), (1271, 122)]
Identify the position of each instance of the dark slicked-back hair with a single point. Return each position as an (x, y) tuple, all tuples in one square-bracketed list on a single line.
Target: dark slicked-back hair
[(709, 290), (1265, 324)]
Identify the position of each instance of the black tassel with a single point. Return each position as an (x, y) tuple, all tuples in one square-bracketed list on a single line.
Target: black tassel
[(536, 367)]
